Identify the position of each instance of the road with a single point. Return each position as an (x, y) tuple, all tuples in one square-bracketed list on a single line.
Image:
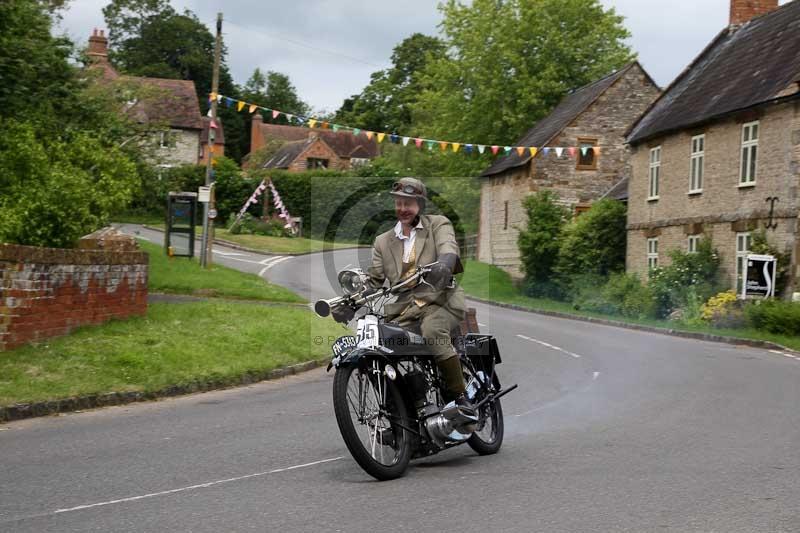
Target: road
[(610, 430)]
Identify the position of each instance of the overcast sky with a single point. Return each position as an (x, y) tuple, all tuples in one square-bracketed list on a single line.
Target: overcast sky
[(330, 47)]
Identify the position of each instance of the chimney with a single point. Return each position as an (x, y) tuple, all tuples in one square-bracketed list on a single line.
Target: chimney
[(256, 138), (98, 47), (744, 10)]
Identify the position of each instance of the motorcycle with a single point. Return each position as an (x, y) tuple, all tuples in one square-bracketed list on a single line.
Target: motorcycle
[(388, 393)]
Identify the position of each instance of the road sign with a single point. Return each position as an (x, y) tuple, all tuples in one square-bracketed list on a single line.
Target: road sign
[(759, 276), (212, 214)]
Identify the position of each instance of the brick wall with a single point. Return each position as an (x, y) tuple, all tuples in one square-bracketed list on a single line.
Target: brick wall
[(46, 292), (606, 120), (723, 208)]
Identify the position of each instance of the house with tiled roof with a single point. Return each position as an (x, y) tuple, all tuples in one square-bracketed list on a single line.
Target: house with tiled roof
[(718, 154), (594, 117), (171, 106), (307, 148)]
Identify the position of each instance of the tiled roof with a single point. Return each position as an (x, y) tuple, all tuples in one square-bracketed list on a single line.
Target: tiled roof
[(343, 143), (619, 191), (550, 126), (287, 153), (744, 66), (173, 102)]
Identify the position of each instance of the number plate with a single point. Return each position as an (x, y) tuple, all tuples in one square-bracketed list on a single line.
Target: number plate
[(343, 344), (367, 332)]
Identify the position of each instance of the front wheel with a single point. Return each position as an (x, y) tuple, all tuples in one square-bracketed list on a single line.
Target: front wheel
[(488, 435), (370, 413)]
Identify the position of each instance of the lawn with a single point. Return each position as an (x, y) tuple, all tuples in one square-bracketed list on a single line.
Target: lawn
[(279, 245), (181, 275), (491, 283), (174, 344)]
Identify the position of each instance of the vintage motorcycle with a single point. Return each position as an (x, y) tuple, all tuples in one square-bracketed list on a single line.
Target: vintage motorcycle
[(387, 392)]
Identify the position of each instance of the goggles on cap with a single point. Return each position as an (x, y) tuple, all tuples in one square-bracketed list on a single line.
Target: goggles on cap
[(406, 188)]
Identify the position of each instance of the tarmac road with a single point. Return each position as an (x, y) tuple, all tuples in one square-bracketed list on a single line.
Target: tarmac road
[(610, 430)]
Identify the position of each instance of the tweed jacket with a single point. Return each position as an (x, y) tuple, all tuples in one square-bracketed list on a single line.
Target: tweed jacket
[(436, 237)]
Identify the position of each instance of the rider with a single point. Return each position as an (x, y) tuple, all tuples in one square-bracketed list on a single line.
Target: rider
[(437, 305)]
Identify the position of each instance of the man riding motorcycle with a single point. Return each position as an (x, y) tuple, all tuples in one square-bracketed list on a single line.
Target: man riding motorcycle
[(436, 307)]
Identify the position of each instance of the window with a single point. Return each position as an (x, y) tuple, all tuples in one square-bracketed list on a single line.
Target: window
[(655, 172), (743, 241), (697, 162), (313, 162), (652, 253), (694, 240), (749, 166), (505, 215), (587, 158)]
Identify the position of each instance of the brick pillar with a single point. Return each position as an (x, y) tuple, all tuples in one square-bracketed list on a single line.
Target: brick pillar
[(256, 139), (744, 10), (98, 47)]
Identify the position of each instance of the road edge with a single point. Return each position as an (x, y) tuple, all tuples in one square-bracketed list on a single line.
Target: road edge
[(23, 411), (755, 343)]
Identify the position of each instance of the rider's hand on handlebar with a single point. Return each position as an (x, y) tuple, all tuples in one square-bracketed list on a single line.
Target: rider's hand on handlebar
[(438, 275)]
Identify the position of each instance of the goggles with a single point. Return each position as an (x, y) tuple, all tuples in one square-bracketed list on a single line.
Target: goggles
[(407, 189)]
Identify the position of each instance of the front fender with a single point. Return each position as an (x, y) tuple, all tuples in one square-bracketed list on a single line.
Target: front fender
[(355, 356)]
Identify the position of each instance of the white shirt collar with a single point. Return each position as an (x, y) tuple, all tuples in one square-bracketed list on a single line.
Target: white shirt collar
[(398, 230)]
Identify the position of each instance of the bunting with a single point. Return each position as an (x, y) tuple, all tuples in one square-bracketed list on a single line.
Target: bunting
[(420, 143)]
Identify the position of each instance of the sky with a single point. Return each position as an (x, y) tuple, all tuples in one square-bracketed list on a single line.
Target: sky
[(329, 48)]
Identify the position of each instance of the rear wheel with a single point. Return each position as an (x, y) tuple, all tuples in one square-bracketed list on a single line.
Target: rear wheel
[(488, 435), (369, 410)]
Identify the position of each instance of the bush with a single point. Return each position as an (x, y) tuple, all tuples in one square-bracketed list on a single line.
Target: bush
[(723, 311), (251, 225), (539, 241), (594, 243), (622, 294), (694, 274), (760, 245), (775, 316)]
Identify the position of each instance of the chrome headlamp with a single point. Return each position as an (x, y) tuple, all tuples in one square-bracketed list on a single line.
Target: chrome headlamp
[(352, 280)]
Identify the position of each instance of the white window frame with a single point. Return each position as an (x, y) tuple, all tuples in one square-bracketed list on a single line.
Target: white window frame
[(697, 164), (654, 175), (692, 242), (743, 242), (652, 253), (748, 162)]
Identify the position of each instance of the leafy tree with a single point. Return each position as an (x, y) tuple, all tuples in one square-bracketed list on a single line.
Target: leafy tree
[(275, 91), (539, 241), (594, 243), (509, 62), (385, 104)]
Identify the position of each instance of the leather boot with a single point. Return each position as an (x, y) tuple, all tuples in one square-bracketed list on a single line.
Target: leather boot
[(453, 377)]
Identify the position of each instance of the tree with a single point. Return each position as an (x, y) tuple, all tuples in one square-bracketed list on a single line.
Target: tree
[(274, 91), (539, 241), (594, 243), (510, 62), (385, 104)]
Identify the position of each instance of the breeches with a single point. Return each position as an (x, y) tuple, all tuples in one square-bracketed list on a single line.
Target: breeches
[(435, 324)]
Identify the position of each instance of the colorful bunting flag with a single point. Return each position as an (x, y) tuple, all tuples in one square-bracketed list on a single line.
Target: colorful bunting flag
[(468, 148), (312, 123), (335, 128), (507, 149), (533, 150), (482, 148), (495, 149), (584, 149), (520, 150), (418, 142), (596, 150), (239, 106), (405, 140), (370, 134), (456, 146), (381, 137), (275, 114), (356, 131), (571, 151), (394, 138), (546, 150), (559, 151), (443, 145), (430, 144)]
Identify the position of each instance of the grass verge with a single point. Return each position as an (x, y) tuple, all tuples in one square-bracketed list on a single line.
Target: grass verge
[(181, 275), (279, 245), (491, 283), (174, 344)]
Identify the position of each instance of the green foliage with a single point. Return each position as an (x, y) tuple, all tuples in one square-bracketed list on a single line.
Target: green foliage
[(775, 316), (274, 91), (232, 189), (623, 294), (398, 161), (250, 225), (509, 63), (697, 272), (53, 191), (386, 103), (151, 197), (593, 243), (539, 241)]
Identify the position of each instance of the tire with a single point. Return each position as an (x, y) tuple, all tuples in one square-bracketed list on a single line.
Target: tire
[(488, 436), (354, 393)]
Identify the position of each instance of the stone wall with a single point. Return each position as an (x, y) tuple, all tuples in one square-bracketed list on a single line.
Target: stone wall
[(183, 148), (46, 292), (723, 208), (605, 121)]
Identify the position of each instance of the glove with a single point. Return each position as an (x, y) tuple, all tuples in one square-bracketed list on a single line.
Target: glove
[(439, 276), (343, 314)]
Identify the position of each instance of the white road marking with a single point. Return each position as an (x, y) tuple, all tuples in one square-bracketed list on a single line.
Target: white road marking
[(228, 254), (777, 352), (548, 345), (273, 263), (482, 325), (193, 487), (790, 356)]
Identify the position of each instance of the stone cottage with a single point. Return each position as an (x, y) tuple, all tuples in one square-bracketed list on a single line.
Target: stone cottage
[(171, 105), (595, 117), (718, 155)]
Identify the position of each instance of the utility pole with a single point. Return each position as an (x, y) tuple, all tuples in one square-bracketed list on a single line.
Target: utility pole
[(206, 257)]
